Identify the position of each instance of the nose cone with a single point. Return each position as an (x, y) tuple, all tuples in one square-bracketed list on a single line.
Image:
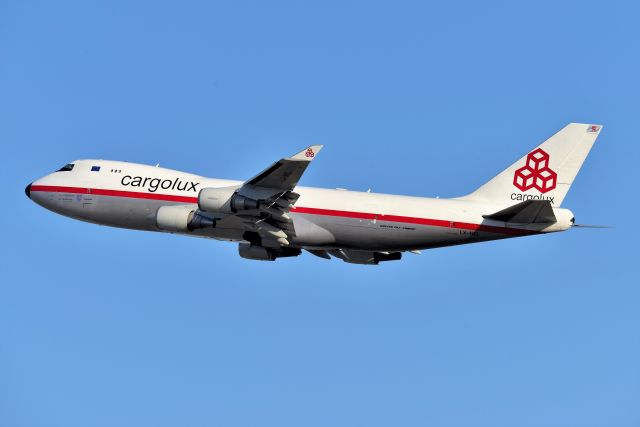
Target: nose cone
[(27, 191)]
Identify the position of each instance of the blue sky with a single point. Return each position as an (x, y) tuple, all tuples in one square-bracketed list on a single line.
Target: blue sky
[(108, 327)]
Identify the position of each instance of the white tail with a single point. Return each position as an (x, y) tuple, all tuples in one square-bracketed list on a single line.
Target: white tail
[(545, 173)]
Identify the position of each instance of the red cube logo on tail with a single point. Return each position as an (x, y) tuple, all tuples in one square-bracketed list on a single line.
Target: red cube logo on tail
[(536, 173)]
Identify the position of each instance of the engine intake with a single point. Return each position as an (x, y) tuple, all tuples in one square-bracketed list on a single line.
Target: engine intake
[(225, 200)]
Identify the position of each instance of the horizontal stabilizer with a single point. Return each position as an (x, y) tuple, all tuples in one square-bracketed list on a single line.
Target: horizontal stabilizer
[(527, 212)]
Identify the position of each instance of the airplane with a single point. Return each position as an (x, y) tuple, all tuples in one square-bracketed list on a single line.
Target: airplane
[(271, 217)]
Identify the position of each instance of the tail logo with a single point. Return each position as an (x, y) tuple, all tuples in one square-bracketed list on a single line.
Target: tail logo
[(309, 153), (536, 173)]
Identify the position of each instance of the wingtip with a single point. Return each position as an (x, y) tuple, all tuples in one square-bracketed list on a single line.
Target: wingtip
[(308, 153), (590, 127)]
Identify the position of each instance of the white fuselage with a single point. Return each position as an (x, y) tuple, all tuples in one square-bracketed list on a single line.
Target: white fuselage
[(129, 195)]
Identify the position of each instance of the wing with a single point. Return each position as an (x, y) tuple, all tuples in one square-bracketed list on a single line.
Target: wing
[(269, 224), (285, 173)]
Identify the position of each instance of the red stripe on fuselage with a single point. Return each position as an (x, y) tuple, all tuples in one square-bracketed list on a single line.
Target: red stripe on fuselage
[(296, 209)]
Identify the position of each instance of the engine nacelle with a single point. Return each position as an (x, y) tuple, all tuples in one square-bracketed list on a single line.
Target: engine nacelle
[(256, 252), (365, 257), (260, 253), (224, 200), (181, 218)]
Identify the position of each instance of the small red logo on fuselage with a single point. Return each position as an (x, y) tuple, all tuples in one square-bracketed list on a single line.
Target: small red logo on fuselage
[(536, 173)]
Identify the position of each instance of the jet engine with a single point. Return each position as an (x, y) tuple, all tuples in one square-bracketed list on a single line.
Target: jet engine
[(182, 218), (249, 251), (224, 200)]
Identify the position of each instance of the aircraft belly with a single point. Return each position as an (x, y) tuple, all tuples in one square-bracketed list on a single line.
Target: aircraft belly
[(123, 212), (388, 236), (105, 210)]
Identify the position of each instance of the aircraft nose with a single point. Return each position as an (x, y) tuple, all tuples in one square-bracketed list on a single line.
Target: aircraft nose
[(27, 191)]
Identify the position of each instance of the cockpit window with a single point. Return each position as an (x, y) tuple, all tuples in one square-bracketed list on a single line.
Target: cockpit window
[(66, 168)]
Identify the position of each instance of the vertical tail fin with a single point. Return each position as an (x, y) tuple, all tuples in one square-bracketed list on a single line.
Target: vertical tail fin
[(546, 173)]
